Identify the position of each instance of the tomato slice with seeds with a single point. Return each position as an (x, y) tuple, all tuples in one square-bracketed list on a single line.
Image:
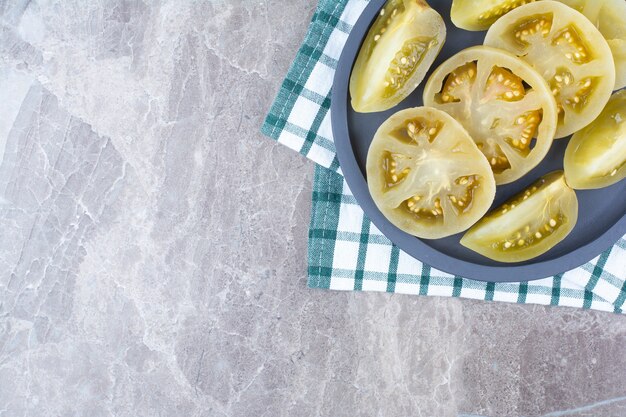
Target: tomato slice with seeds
[(529, 224), (480, 14), (609, 16), (596, 156), (568, 51), (399, 48), (502, 102), (426, 175)]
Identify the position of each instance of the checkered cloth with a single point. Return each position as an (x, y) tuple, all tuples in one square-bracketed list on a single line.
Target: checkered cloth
[(346, 251)]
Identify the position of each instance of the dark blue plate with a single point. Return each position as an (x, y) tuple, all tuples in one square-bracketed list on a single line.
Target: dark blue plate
[(602, 213)]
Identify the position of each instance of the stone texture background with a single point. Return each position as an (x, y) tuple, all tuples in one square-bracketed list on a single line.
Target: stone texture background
[(153, 244)]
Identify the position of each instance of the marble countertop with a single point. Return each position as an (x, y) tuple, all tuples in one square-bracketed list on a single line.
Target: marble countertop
[(153, 244)]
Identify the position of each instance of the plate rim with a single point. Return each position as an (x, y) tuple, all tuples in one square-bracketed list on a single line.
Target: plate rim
[(412, 245)]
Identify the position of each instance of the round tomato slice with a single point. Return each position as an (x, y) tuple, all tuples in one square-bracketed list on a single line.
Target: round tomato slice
[(529, 224), (609, 16), (502, 102), (399, 48), (426, 175), (596, 156), (568, 51), (480, 14)]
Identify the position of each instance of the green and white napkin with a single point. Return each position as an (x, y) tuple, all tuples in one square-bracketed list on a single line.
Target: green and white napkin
[(346, 251)]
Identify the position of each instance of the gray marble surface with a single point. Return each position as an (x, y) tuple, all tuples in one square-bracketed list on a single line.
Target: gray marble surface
[(153, 244)]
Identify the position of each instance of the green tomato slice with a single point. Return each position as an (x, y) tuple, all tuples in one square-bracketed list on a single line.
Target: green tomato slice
[(502, 102), (426, 175), (529, 224), (596, 156), (398, 50), (568, 51)]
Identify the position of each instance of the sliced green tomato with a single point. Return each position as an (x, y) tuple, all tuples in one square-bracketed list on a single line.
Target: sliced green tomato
[(529, 224), (502, 102), (399, 48), (609, 16), (596, 156), (568, 51), (480, 14), (426, 175)]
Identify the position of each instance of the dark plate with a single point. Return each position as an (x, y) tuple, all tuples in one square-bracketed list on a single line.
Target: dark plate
[(602, 213)]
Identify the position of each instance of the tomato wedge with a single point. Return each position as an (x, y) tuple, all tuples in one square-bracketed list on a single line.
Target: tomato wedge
[(502, 102), (596, 156), (529, 224), (609, 16), (568, 51), (480, 14), (399, 48), (426, 175)]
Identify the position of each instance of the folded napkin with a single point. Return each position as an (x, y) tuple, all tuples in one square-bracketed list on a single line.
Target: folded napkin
[(346, 251)]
